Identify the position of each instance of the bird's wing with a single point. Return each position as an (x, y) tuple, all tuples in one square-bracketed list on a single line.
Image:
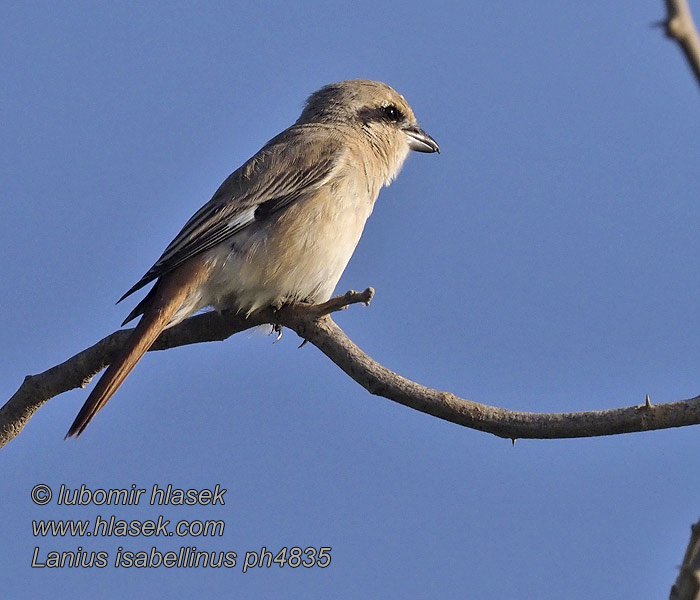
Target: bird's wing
[(290, 166)]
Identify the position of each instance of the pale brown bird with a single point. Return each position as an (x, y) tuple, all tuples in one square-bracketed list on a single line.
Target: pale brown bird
[(281, 228)]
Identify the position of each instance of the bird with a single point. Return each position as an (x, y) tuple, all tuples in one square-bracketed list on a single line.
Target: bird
[(282, 227)]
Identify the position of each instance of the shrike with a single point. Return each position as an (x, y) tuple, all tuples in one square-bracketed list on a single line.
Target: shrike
[(280, 229)]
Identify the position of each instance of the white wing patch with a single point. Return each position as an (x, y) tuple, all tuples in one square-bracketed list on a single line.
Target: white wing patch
[(243, 218)]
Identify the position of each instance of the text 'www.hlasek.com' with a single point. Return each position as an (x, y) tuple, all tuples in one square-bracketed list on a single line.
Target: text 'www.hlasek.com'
[(123, 555)]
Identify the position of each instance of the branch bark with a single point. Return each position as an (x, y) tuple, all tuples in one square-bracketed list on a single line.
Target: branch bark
[(687, 586), (681, 28), (313, 324)]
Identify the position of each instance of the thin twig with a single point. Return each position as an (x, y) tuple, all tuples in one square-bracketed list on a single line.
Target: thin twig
[(680, 27), (377, 379), (687, 586)]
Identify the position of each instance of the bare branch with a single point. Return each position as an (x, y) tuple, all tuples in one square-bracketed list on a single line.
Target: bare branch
[(680, 27), (687, 586), (312, 323), (379, 380), (78, 370)]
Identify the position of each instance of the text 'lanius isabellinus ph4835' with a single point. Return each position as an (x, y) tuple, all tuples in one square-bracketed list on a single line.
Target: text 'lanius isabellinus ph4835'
[(282, 228)]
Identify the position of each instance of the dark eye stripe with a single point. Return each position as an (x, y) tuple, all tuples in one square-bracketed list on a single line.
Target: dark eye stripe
[(392, 113)]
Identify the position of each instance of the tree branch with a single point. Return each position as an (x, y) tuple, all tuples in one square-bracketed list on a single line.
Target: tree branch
[(313, 323), (78, 370), (680, 27), (687, 586)]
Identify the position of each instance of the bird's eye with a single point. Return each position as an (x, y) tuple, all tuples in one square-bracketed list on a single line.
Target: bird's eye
[(391, 113)]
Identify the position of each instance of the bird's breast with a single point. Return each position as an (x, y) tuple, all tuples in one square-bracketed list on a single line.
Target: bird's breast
[(298, 254)]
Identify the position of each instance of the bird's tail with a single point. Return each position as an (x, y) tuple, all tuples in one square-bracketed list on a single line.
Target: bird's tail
[(169, 294)]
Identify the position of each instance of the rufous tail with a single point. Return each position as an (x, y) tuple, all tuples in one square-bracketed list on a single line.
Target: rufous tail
[(169, 294)]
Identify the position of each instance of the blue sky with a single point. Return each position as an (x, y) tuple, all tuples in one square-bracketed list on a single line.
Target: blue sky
[(545, 261)]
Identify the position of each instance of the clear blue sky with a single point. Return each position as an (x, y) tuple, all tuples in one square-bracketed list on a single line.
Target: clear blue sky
[(545, 261)]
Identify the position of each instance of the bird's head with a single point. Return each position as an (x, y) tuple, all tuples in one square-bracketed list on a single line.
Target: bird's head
[(377, 112)]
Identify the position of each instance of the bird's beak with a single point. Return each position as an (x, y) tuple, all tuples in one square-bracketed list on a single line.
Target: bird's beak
[(420, 141)]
